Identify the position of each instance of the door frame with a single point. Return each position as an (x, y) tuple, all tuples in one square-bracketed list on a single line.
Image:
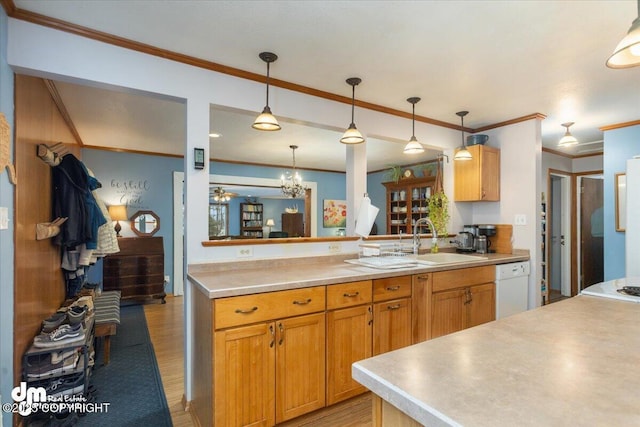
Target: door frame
[(178, 233), (567, 196), (578, 251)]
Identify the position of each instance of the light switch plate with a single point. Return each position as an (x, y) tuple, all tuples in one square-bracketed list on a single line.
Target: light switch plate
[(4, 218)]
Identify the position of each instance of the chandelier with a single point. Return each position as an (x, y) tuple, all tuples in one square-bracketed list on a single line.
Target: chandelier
[(291, 184)]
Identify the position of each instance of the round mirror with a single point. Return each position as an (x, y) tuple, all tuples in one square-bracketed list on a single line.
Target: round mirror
[(145, 223)]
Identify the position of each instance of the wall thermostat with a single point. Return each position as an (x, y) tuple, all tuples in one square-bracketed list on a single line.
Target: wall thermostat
[(198, 159)]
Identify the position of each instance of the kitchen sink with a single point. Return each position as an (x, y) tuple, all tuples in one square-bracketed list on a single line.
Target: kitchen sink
[(447, 258)]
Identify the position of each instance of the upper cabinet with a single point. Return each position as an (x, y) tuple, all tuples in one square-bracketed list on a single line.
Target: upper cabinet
[(478, 179)]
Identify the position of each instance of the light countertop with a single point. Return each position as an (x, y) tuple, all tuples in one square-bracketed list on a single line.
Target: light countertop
[(574, 362), (218, 280)]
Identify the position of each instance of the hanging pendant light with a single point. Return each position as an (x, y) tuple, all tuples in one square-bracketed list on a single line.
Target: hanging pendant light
[(627, 53), (266, 120), (352, 135), (413, 146), (567, 140), (462, 153), (291, 185)]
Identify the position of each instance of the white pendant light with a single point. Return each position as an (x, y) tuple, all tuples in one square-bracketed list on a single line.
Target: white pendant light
[(413, 146), (266, 120), (462, 153), (352, 135), (567, 140), (627, 53)]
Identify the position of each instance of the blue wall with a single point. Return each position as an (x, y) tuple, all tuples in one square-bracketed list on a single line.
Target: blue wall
[(619, 145), (142, 182), (6, 236)]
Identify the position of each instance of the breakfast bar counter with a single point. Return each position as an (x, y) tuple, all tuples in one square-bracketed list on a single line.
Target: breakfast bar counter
[(574, 362)]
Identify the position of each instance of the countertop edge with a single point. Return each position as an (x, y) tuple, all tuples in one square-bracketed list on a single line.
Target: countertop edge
[(228, 283), (417, 410)]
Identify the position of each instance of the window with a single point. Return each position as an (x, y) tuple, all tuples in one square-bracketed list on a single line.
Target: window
[(218, 219)]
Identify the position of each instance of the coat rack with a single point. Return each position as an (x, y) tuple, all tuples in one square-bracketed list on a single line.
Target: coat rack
[(52, 155)]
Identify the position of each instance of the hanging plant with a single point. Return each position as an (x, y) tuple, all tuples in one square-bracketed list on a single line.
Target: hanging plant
[(439, 208)]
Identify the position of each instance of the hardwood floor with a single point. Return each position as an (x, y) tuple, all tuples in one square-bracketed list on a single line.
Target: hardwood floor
[(165, 328)]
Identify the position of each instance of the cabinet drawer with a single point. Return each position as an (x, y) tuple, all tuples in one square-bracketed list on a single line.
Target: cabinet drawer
[(246, 309), (348, 294), (391, 288), (443, 280)]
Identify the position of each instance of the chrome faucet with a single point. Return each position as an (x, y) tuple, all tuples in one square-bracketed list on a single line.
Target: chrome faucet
[(416, 235)]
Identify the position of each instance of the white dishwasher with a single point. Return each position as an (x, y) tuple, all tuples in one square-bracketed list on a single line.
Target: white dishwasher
[(512, 288)]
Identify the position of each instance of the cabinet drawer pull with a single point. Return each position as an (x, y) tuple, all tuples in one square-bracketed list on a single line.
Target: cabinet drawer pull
[(423, 277), (393, 288), (241, 311), (305, 302), (393, 307), (348, 295)]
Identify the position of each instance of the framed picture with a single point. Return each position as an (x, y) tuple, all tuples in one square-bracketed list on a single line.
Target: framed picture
[(334, 213), (621, 201)]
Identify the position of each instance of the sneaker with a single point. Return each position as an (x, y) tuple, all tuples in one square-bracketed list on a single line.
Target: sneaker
[(76, 314), (66, 386), (41, 365), (52, 322), (64, 335)]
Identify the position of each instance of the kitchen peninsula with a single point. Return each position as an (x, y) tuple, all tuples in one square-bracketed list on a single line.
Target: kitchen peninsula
[(276, 338), (573, 362)]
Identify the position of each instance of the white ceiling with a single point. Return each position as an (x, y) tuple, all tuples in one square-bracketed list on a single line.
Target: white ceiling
[(498, 59)]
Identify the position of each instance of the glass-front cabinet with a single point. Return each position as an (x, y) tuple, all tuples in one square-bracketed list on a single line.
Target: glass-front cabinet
[(408, 201)]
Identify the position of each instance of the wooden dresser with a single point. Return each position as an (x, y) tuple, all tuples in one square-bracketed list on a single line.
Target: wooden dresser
[(137, 271), (293, 224)]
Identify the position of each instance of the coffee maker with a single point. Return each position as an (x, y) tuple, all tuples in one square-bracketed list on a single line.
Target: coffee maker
[(481, 233)]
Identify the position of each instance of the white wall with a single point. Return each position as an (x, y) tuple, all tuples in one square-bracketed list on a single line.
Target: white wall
[(587, 164), (520, 163)]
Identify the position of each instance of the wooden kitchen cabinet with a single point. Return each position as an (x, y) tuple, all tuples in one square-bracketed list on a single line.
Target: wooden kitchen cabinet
[(391, 314), (462, 299), (244, 376), (274, 370), (300, 366), (392, 325), (349, 339), (477, 179)]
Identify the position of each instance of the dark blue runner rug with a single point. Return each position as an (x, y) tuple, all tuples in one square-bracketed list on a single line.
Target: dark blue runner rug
[(131, 382)]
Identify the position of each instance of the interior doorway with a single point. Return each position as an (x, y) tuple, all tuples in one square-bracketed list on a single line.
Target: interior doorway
[(591, 230), (559, 236)]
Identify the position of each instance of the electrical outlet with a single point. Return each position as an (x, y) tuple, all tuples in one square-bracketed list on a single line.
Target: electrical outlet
[(4, 218), (244, 252), (167, 279), (521, 219), (335, 247)]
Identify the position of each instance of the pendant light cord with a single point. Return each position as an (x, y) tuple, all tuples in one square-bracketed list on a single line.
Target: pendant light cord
[(353, 101), (413, 121), (267, 104)]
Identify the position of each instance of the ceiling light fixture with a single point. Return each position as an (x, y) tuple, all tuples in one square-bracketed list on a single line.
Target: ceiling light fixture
[(291, 185), (462, 153), (567, 140), (220, 195), (627, 53), (266, 120), (352, 135), (413, 146)]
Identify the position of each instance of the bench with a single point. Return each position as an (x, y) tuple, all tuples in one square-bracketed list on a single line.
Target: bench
[(107, 317)]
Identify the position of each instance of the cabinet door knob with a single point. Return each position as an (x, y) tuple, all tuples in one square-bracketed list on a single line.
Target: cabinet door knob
[(241, 311), (304, 302)]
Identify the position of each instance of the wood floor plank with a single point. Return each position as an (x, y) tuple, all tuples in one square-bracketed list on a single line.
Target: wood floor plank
[(167, 335)]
